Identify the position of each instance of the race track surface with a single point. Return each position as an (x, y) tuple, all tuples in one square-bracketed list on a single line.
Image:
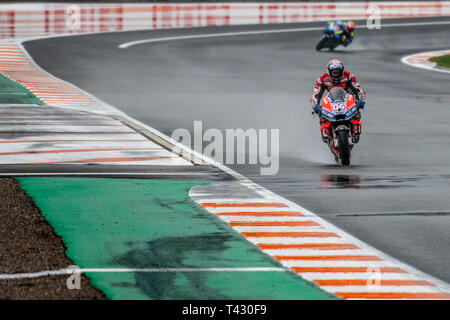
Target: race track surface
[(394, 196)]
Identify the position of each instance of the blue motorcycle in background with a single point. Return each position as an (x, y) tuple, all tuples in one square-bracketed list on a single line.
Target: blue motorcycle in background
[(333, 36)]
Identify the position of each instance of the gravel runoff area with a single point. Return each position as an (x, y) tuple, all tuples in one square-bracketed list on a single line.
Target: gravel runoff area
[(29, 244)]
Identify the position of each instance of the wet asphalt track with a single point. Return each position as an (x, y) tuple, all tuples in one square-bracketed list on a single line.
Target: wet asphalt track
[(396, 194)]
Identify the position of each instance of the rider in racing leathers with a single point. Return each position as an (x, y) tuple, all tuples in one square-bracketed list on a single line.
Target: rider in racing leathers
[(344, 31), (336, 76)]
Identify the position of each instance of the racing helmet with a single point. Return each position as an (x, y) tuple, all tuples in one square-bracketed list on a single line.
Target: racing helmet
[(350, 26), (335, 70)]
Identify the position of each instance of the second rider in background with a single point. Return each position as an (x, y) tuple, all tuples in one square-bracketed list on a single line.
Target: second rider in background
[(345, 31)]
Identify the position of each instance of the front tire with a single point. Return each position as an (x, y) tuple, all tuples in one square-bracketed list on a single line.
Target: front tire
[(321, 44), (343, 147)]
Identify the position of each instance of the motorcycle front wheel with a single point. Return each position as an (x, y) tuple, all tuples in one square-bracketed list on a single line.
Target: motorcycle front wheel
[(321, 44), (343, 147)]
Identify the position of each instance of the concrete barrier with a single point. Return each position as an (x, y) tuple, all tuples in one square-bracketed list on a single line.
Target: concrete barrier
[(20, 20)]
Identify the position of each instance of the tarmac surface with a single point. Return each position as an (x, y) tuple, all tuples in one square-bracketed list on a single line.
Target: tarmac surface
[(394, 196)]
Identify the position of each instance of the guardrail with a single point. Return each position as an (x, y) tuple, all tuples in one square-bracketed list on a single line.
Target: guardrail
[(41, 19)]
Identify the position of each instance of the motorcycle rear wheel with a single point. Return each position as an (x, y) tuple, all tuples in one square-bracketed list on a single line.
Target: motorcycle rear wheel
[(343, 147)]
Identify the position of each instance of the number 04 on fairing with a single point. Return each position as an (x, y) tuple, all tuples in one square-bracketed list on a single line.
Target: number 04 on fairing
[(339, 108)]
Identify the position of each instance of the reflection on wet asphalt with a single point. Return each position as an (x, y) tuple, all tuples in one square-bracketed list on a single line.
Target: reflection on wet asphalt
[(439, 213), (289, 179), (333, 181)]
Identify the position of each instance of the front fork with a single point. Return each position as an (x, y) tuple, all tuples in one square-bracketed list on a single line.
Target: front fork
[(329, 135), (326, 130)]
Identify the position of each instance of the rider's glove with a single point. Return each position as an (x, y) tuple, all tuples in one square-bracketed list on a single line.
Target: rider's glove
[(316, 108), (361, 104)]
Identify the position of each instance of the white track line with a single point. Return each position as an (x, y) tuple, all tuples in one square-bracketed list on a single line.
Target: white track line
[(381, 289), (126, 45), (263, 219), (140, 270), (280, 229), (26, 174), (300, 240), (336, 264), (310, 252), (311, 276), (100, 109)]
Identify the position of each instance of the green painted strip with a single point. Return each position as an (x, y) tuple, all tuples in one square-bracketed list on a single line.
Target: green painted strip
[(137, 223), (12, 92), (442, 61)]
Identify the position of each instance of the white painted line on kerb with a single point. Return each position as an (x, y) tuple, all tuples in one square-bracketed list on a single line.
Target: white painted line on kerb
[(140, 270), (27, 174), (241, 33), (425, 64)]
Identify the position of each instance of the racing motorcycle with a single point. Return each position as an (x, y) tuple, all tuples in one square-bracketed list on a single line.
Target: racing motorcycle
[(329, 40), (339, 107)]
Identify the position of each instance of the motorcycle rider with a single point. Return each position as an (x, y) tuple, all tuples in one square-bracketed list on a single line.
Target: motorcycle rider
[(336, 76), (344, 31)]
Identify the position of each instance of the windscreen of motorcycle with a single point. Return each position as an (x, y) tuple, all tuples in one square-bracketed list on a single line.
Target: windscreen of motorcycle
[(337, 93)]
